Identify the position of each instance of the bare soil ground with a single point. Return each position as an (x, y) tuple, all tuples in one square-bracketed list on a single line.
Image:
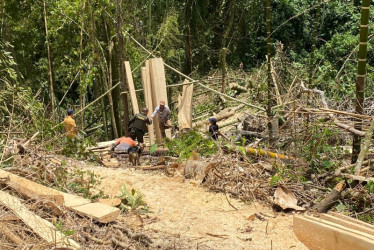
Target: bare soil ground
[(185, 215)]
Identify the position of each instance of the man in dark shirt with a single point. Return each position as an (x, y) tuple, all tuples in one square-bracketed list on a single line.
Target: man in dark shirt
[(138, 125), (213, 128)]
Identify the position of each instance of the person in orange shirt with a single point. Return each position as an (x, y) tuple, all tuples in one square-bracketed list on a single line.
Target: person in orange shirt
[(71, 130), (123, 144)]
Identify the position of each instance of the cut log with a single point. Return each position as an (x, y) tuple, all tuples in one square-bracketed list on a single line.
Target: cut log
[(197, 170), (40, 226), (219, 117), (185, 108), (151, 167), (348, 223), (30, 189), (146, 83), (237, 87), (130, 84), (104, 144), (97, 211), (158, 82), (318, 234), (331, 198)]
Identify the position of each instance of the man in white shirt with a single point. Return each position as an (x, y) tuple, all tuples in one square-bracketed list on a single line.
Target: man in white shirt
[(163, 113)]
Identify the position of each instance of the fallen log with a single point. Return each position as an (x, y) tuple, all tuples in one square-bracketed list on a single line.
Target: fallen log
[(30, 189), (330, 199), (219, 117), (151, 167), (237, 87), (197, 169), (40, 226), (10, 235)]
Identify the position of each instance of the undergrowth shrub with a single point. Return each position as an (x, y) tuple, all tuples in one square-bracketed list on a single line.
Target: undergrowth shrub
[(188, 142), (320, 148)]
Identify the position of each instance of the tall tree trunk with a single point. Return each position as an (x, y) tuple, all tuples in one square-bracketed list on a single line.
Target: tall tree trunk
[(109, 86), (315, 29), (272, 121), (149, 10), (361, 75), (124, 84), (82, 86), (223, 53), (101, 60), (187, 23), (49, 61)]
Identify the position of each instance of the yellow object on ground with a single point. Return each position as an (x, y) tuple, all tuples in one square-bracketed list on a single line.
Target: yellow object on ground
[(70, 127), (261, 152)]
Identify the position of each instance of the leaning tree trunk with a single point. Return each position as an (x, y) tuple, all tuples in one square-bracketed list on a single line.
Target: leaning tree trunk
[(187, 23), (110, 93), (223, 53), (49, 61), (361, 74), (81, 92), (272, 121), (315, 29), (124, 85)]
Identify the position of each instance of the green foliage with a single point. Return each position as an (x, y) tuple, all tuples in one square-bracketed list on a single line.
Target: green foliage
[(316, 148), (77, 181), (188, 142), (152, 149), (60, 227), (133, 200), (370, 187)]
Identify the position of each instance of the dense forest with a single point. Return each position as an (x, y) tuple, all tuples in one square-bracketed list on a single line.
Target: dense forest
[(62, 54), (271, 111)]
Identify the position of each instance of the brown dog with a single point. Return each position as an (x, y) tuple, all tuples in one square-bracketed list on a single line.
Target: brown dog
[(134, 155)]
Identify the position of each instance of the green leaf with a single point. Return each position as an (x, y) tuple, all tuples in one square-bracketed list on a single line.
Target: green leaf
[(69, 232), (153, 149), (341, 207)]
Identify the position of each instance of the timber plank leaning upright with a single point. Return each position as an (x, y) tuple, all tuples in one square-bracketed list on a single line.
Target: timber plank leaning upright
[(158, 83)]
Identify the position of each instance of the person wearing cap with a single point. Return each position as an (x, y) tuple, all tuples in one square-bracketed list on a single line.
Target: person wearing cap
[(70, 126), (163, 113), (138, 125), (213, 128)]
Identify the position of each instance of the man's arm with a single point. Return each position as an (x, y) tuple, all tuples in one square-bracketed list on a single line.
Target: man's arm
[(132, 120), (149, 121), (155, 112)]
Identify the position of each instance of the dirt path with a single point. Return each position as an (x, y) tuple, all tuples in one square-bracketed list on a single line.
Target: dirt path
[(187, 216)]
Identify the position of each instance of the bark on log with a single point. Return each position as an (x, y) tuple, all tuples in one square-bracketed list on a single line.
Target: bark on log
[(365, 148), (330, 199), (11, 236), (197, 169), (219, 117), (151, 167), (237, 87)]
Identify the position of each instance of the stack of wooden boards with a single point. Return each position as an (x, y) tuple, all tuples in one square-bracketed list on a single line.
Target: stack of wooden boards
[(154, 87), (97, 211), (333, 231)]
